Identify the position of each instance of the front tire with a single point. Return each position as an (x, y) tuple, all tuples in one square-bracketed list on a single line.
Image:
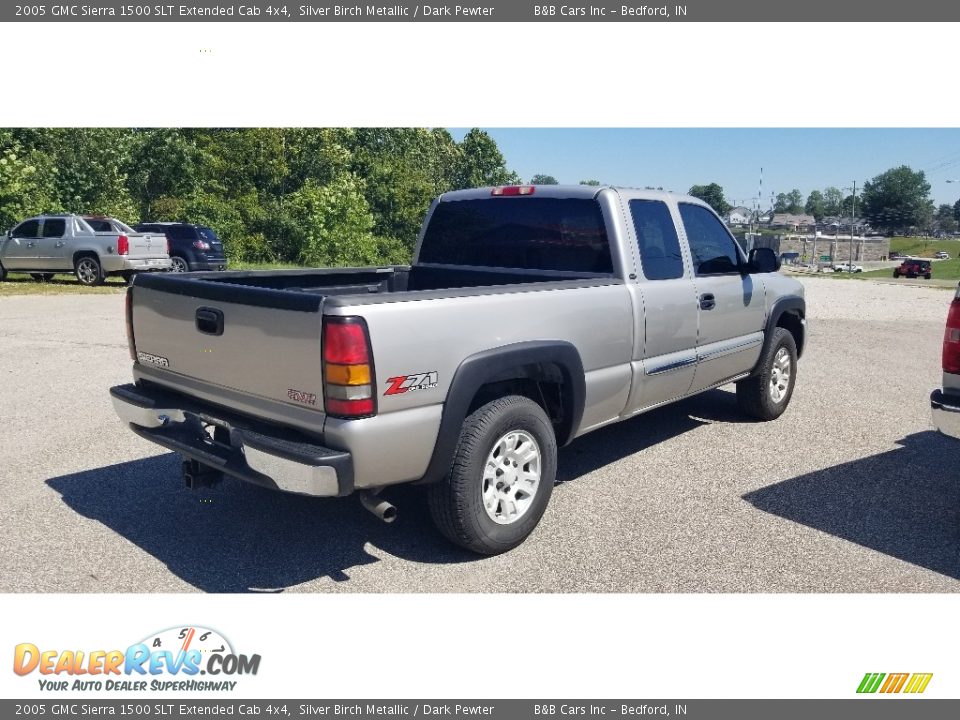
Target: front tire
[(896, 274), (42, 277), (88, 270), (501, 478), (766, 395), (927, 276), (3, 273)]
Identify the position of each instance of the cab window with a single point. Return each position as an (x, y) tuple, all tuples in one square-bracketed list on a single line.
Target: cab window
[(54, 227), (28, 229), (714, 250), (657, 240)]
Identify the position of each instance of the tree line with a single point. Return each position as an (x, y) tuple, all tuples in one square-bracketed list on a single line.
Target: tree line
[(319, 196), (896, 201)]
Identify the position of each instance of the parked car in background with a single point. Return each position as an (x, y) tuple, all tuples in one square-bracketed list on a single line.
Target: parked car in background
[(912, 267), (192, 247), (942, 255), (845, 267), (896, 256), (50, 244), (945, 402)]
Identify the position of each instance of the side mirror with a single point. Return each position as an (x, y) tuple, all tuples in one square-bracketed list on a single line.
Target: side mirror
[(763, 260)]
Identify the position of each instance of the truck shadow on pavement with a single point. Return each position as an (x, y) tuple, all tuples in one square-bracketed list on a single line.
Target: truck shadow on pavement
[(904, 502), (238, 537)]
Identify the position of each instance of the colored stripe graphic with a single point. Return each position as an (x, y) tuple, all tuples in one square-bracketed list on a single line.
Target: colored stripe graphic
[(894, 682), (870, 682), (918, 683)]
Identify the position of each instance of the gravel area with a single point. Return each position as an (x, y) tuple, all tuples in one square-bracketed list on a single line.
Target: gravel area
[(850, 491)]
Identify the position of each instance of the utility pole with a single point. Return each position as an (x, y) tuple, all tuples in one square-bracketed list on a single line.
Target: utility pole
[(853, 219)]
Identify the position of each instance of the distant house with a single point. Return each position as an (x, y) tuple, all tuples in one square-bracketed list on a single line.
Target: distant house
[(739, 216), (795, 223)]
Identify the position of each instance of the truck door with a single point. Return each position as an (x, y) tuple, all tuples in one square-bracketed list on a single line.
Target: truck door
[(20, 249), (51, 243), (667, 323), (731, 303)]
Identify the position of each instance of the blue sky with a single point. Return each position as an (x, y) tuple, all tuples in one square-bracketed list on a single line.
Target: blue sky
[(803, 158)]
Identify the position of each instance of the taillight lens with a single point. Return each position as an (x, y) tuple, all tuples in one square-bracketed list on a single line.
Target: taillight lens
[(951, 338), (348, 379), (201, 245), (123, 245), (131, 343)]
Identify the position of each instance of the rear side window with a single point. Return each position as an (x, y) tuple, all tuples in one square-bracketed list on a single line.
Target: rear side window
[(713, 249), (657, 240), (28, 229), (54, 228), (99, 225), (181, 232), (207, 234), (563, 234)]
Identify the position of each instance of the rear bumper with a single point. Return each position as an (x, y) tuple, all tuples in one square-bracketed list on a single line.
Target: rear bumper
[(946, 413), (208, 264), (120, 263), (266, 455)]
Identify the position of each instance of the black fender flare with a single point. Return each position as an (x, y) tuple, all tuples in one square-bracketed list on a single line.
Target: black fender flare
[(484, 367), (793, 304)]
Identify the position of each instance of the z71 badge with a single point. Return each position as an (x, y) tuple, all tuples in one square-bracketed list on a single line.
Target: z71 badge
[(409, 383)]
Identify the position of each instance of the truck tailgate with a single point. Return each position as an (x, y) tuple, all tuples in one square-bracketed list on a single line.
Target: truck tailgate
[(258, 343)]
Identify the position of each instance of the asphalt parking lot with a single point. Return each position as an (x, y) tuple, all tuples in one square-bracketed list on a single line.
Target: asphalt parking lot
[(850, 491)]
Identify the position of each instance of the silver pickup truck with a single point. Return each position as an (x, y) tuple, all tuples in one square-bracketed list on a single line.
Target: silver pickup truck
[(91, 247), (530, 316)]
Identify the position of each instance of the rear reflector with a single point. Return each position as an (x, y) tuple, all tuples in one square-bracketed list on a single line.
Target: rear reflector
[(951, 340), (131, 343), (347, 368), (510, 190)]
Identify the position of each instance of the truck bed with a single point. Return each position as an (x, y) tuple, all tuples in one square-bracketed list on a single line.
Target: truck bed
[(284, 289)]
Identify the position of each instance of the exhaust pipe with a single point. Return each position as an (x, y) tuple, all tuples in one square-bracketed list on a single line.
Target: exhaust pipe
[(378, 506)]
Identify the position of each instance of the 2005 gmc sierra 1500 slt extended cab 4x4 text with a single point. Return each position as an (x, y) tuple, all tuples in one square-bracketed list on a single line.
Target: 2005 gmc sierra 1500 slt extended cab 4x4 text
[(530, 316)]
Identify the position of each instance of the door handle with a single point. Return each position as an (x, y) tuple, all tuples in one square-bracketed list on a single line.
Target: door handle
[(707, 301), (30, 244), (60, 244)]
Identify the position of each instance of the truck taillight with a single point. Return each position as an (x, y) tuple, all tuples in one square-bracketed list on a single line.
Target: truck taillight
[(348, 379), (123, 245), (951, 338), (131, 343), (509, 190)]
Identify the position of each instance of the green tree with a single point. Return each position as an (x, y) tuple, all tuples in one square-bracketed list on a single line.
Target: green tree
[(944, 219), (163, 169), (815, 205), (832, 201), (543, 180), (334, 223), (21, 186), (592, 183), (481, 163), (956, 211), (712, 194), (795, 202), (897, 200)]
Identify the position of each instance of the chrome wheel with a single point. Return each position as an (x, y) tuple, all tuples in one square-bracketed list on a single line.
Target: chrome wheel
[(511, 476), (780, 375), (88, 271), (178, 264)]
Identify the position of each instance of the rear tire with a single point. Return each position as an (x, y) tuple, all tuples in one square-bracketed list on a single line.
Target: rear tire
[(766, 395), (927, 276), (178, 264), (88, 270), (896, 274), (501, 478)]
